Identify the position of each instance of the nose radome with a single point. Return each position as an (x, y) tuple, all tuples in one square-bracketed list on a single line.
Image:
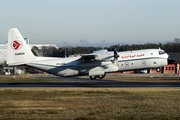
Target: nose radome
[(171, 59)]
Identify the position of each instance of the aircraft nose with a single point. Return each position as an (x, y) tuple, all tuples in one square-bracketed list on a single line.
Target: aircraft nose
[(171, 59)]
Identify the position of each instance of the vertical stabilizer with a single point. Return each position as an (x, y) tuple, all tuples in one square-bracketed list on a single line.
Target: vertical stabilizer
[(18, 51)]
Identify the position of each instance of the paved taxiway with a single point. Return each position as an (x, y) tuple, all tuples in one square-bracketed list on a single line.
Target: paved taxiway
[(75, 82)]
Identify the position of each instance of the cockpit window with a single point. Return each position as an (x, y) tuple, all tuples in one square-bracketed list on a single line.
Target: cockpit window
[(161, 52)]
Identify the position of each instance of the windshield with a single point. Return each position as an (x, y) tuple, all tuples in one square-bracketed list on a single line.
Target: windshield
[(162, 52)]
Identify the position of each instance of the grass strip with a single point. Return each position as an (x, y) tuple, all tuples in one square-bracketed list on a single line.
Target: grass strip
[(85, 104)]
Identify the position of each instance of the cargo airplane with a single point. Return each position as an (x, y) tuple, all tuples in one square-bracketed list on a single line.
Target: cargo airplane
[(94, 65)]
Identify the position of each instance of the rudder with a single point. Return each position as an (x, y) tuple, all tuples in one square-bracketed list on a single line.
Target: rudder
[(18, 51)]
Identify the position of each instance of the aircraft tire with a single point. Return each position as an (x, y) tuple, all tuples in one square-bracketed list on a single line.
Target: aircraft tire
[(101, 76), (158, 69), (93, 77)]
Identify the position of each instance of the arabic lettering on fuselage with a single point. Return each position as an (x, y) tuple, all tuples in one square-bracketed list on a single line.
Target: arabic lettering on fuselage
[(132, 56)]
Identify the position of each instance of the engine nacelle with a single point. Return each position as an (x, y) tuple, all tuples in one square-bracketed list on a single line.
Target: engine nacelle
[(106, 56)]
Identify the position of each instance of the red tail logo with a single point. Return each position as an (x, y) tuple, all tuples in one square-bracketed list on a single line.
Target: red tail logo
[(16, 45)]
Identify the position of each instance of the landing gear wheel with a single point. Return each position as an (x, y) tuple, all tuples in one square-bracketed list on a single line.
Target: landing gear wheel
[(93, 77), (101, 76), (158, 69)]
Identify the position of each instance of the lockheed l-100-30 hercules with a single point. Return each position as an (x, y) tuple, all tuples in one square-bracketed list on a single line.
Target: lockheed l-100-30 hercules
[(94, 65)]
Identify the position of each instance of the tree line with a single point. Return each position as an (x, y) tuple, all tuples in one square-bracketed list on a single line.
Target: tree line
[(49, 51)]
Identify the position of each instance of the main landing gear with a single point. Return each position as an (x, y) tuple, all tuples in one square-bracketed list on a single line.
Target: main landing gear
[(100, 77), (158, 69)]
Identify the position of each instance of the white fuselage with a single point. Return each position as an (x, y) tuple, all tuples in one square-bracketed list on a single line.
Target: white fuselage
[(129, 60), (141, 59)]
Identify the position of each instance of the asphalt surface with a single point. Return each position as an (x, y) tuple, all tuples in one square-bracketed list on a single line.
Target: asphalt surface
[(74, 82), (91, 84)]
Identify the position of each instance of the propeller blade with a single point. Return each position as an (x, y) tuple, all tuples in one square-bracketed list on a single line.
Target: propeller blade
[(115, 54)]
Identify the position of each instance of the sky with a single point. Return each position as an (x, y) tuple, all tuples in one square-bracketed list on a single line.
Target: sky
[(82, 22)]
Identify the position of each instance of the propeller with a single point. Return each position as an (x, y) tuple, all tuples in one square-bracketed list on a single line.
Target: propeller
[(115, 54), (101, 55)]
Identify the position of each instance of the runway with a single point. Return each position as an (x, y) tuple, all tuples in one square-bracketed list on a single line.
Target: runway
[(74, 82), (89, 85)]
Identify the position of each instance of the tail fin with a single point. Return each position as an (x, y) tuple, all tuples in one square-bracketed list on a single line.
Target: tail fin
[(18, 51)]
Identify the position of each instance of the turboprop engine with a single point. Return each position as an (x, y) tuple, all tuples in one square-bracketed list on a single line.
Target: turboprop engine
[(103, 55), (110, 66)]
